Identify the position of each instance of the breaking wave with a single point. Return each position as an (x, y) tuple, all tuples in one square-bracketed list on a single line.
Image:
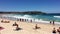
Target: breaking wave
[(57, 16)]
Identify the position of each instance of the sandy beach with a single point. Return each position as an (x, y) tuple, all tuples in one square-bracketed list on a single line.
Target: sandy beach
[(26, 28)]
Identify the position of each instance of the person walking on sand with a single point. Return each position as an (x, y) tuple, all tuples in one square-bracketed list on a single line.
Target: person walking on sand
[(54, 31)]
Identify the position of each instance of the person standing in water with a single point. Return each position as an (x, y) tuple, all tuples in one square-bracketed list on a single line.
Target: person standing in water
[(50, 22), (53, 22), (31, 20)]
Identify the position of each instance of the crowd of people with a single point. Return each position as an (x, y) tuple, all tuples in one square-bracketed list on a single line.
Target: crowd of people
[(54, 31)]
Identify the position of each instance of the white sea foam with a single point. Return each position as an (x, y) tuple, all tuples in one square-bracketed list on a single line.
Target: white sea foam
[(23, 17), (57, 16), (26, 16)]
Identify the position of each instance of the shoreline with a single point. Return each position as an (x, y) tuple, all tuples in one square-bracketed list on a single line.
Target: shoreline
[(40, 21), (27, 28)]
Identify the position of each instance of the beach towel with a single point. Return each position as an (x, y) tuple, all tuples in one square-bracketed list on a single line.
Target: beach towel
[(1, 28)]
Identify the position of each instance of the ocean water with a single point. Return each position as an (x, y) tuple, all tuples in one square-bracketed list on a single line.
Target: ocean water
[(37, 17)]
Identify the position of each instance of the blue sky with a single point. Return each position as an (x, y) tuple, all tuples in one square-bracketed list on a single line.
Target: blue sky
[(48, 6)]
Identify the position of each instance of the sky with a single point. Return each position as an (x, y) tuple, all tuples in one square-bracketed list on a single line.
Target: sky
[(48, 6)]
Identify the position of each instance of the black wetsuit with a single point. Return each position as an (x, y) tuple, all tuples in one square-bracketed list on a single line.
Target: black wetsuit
[(54, 31)]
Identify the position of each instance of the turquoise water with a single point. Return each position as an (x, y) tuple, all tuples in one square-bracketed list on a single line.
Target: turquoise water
[(43, 17)]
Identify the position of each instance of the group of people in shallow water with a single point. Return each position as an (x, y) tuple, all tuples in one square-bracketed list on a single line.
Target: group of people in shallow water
[(52, 22), (54, 31)]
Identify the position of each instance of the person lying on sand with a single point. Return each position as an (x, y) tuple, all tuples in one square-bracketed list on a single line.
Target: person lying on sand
[(5, 21), (1, 20)]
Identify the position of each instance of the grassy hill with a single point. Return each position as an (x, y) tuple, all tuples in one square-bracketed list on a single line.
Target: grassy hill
[(25, 12)]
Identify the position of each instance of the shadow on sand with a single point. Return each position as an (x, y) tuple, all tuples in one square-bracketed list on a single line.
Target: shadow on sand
[(17, 29)]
